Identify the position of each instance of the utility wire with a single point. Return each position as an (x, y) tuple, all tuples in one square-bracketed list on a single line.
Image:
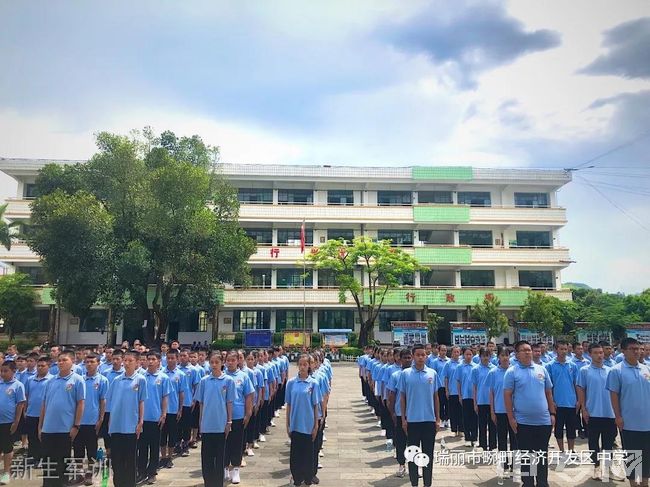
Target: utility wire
[(610, 151)]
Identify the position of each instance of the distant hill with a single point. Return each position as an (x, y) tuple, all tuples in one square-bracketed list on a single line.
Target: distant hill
[(576, 285)]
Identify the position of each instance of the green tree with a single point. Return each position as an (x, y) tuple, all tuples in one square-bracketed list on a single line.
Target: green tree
[(16, 303), (434, 320), (488, 312), (6, 229), (542, 313), (381, 266)]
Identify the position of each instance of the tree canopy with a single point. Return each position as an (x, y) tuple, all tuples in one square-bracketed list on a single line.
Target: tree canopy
[(16, 303), (488, 312)]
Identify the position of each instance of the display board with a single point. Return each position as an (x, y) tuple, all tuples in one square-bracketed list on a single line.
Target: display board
[(296, 338), (533, 337), (335, 337), (594, 336), (409, 333), (258, 338), (466, 334), (640, 332)]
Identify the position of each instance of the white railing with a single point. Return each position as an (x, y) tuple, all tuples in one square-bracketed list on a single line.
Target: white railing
[(19, 252), (513, 215), (18, 208), (294, 296), (529, 256)]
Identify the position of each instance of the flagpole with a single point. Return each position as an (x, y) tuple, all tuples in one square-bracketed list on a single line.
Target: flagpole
[(304, 282)]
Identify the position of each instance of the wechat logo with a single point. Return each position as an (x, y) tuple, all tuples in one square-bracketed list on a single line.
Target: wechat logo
[(414, 454)]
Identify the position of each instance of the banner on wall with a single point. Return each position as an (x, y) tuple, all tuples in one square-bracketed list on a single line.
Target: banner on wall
[(639, 331), (535, 336), (335, 337), (409, 333), (594, 336), (258, 338), (466, 334), (296, 338)]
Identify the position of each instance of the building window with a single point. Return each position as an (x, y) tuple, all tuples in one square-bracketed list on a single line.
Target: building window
[(346, 234), (533, 239), (531, 200), (261, 277), (437, 278), (256, 196), (394, 198), (386, 316), (203, 321), (477, 278), (408, 280), (344, 197), (474, 198), (263, 236), (336, 318), (397, 237), (251, 320), (293, 319), (291, 236), (29, 191), (435, 197), (295, 197), (475, 238), (36, 274), (96, 320), (43, 320), (292, 278), (437, 237), (537, 279)]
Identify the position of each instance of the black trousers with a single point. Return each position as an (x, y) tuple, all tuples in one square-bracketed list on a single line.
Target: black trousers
[(169, 432), (123, 459), (633, 442), (85, 444), (400, 440), (318, 444), (34, 446), (470, 420), (422, 434), (251, 429), (487, 430), (504, 432), (212, 455), (301, 457), (103, 431), (185, 425), (566, 417), (234, 443), (534, 439), (265, 420), (601, 430), (56, 449), (455, 410), (387, 420), (149, 449), (442, 400)]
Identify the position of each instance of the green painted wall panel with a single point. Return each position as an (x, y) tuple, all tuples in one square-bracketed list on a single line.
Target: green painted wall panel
[(441, 213), (443, 255), (451, 298), (462, 173)]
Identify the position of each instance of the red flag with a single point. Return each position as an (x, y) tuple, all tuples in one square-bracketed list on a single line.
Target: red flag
[(302, 237)]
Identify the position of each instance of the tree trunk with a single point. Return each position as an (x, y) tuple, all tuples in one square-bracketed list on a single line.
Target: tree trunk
[(51, 324), (215, 322), (365, 333)]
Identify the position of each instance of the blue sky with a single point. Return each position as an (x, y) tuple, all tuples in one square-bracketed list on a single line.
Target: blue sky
[(370, 82)]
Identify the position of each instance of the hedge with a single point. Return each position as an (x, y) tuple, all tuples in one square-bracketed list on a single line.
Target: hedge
[(351, 351), (22, 345)]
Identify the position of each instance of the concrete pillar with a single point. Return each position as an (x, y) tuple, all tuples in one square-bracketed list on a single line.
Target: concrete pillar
[(274, 278)]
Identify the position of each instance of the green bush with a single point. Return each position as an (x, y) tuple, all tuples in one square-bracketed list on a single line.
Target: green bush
[(315, 340), (351, 351), (239, 338), (277, 338), (225, 344), (353, 340), (24, 345)]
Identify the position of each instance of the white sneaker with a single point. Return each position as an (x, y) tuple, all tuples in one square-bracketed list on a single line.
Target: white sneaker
[(321, 454), (378, 424), (468, 444), (284, 406), (243, 462), (324, 437), (226, 474), (235, 476), (326, 426), (596, 474), (320, 465), (5, 479), (262, 439), (276, 414), (383, 433), (401, 471), (273, 424), (256, 445), (250, 452)]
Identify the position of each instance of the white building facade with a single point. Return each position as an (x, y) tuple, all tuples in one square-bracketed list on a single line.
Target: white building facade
[(476, 231)]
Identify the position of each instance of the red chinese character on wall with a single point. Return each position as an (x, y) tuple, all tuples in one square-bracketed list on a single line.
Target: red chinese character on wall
[(450, 298), (489, 296), (314, 250), (275, 252)]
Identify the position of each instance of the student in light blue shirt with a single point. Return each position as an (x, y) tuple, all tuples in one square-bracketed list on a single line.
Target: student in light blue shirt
[(579, 357), (596, 405), (242, 408), (115, 370), (253, 430), (463, 376), (35, 391), (528, 397), (126, 397), (302, 397), (319, 374), (386, 420), (12, 406), (177, 388), (563, 373), (191, 379), (438, 365), (215, 393), (498, 409), (487, 430), (418, 388), (395, 408), (629, 385), (455, 407), (85, 444), (61, 412)]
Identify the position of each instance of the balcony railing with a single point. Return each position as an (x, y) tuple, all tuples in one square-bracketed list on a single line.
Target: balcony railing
[(18, 208), (19, 252)]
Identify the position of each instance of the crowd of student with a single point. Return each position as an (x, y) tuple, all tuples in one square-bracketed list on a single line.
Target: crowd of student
[(151, 406), (511, 400)]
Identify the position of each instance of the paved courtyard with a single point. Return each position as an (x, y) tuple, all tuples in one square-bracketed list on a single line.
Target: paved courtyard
[(354, 453)]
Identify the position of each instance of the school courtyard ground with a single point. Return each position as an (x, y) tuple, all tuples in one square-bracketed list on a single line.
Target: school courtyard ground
[(355, 454)]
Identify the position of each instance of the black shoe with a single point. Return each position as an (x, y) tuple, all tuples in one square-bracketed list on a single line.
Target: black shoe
[(315, 480), (140, 479)]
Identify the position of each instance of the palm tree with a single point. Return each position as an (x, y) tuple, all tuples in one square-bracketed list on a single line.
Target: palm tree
[(6, 233)]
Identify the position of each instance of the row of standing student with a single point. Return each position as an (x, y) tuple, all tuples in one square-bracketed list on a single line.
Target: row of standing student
[(515, 403), (137, 411)]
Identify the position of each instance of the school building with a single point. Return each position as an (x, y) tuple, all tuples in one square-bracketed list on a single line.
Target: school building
[(477, 231)]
